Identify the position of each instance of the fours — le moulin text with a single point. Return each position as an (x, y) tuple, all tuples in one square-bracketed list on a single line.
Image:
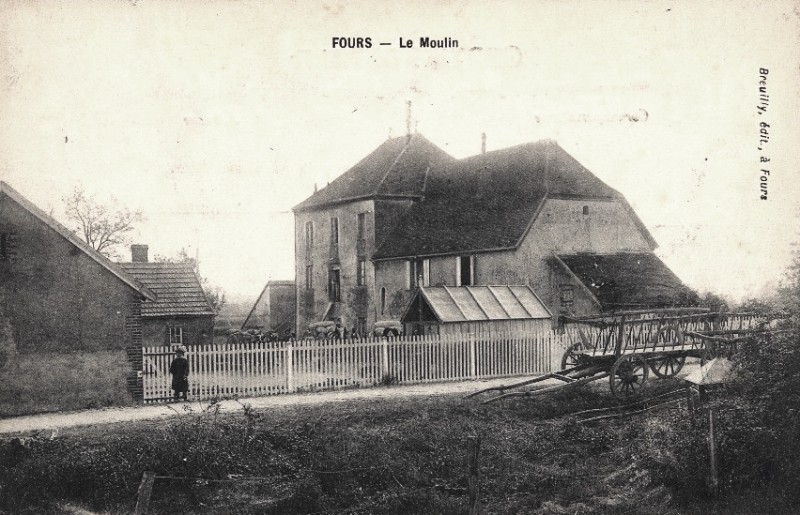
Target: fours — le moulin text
[(367, 42)]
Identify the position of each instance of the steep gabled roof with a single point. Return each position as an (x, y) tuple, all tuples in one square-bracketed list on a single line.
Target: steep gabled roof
[(176, 286), (261, 295), (628, 280), (70, 236), (489, 201), (396, 169)]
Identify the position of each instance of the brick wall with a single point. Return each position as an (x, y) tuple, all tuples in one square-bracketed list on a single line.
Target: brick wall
[(133, 349)]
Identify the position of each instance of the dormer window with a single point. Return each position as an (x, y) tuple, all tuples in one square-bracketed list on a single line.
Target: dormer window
[(567, 295)]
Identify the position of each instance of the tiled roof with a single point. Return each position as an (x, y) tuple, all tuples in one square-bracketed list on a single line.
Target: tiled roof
[(70, 236), (397, 168), (488, 201), (476, 303), (176, 286), (628, 281)]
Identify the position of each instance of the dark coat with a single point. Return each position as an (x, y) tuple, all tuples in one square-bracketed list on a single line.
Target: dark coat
[(180, 374)]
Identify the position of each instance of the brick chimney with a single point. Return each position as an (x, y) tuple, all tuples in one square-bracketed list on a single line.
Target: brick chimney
[(483, 143), (139, 253)]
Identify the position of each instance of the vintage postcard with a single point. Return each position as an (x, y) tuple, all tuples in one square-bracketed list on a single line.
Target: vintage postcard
[(304, 231)]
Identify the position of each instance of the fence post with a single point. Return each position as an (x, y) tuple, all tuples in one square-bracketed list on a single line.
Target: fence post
[(384, 360), (712, 454), (289, 367), (473, 469), (144, 493), (473, 368)]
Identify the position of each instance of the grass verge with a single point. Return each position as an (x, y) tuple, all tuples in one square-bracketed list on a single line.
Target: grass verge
[(383, 457)]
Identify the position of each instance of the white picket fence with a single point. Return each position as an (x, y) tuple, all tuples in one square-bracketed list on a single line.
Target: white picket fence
[(256, 369)]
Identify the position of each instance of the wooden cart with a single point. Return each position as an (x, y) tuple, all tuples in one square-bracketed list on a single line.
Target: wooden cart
[(627, 346)]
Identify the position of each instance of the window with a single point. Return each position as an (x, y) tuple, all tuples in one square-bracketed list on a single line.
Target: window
[(465, 273), (383, 300), (567, 295), (334, 286), (175, 335), (334, 231), (309, 277), (362, 220), (7, 246), (585, 210), (419, 273), (309, 236), (361, 274)]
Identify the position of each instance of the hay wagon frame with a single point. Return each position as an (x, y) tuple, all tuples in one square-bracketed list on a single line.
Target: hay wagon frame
[(627, 346)]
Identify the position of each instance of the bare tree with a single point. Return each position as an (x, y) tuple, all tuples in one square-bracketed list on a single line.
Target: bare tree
[(104, 228)]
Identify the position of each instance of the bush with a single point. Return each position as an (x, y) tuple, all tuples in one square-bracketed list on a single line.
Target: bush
[(767, 427)]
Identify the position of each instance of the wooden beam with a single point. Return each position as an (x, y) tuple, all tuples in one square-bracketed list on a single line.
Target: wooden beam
[(144, 493)]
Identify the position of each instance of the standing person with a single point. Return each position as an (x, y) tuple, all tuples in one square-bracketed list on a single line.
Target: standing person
[(179, 368)]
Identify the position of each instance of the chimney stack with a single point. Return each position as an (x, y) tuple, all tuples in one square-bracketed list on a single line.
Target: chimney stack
[(483, 142), (139, 253)]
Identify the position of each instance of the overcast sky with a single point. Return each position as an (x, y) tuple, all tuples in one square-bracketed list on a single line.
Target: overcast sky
[(215, 118)]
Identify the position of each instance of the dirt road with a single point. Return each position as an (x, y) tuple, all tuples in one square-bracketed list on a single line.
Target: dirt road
[(53, 422)]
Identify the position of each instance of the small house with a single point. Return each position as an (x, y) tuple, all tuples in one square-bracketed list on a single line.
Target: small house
[(181, 313)]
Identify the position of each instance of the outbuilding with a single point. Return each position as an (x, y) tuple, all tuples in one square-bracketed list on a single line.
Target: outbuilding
[(485, 310)]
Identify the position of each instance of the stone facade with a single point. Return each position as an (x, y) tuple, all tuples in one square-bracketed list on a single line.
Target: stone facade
[(329, 246), (563, 226)]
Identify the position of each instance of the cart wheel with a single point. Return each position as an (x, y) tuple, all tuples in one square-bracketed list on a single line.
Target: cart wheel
[(570, 358), (667, 366), (628, 377)]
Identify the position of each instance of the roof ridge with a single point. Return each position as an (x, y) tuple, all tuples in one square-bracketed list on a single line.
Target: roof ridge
[(70, 236), (396, 159)]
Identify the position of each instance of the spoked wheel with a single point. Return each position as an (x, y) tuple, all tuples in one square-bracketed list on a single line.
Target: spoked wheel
[(628, 377), (667, 366), (571, 358)]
